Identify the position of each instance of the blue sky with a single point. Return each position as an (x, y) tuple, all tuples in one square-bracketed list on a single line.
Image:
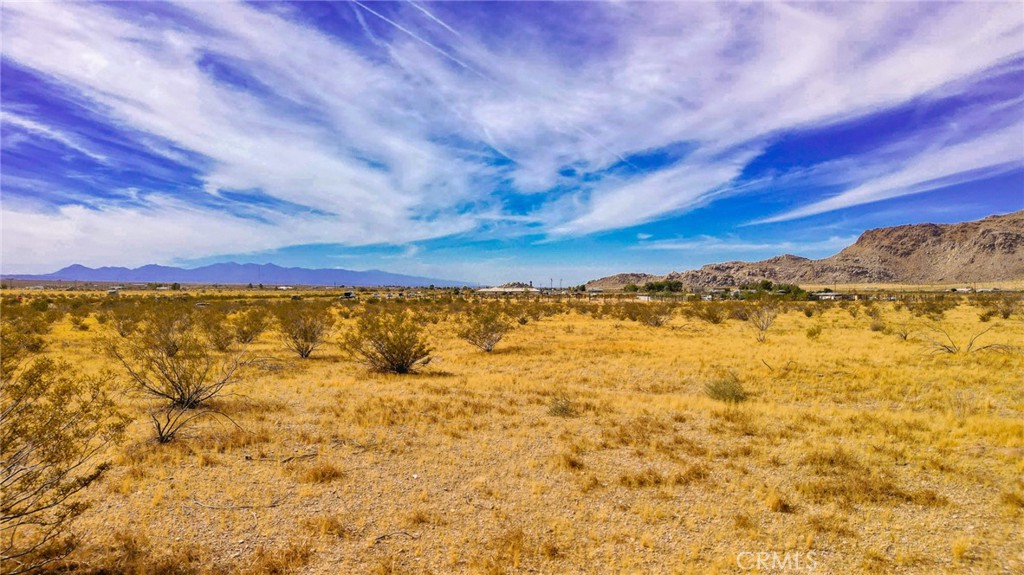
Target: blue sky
[(493, 142)]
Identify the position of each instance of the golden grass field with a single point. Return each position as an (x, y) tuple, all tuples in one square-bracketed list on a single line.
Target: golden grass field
[(586, 445)]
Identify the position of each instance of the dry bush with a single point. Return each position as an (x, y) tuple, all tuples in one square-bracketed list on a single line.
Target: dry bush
[(213, 323), (169, 359), (388, 341), (942, 342), (54, 422), (762, 317), (124, 318), (727, 388), (304, 326), (713, 312), (484, 327), (250, 324), (655, 314), (562, 406)]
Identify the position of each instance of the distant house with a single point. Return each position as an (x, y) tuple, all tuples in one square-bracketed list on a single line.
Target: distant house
[(508, 290), (285, 287), (832, 296)]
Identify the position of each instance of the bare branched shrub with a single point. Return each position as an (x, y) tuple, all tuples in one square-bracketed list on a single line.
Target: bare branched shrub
[(169, 359), (169, 420), (762, 317), (54, 423), (250, 324), (484, 327), (304, 326), (902, 331), (942, 342), (389, 341)]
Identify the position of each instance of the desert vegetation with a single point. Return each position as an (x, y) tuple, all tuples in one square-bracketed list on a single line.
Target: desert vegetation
[(228, 431)]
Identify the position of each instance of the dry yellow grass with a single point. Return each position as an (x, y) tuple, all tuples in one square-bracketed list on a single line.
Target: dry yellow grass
[(587, 445)]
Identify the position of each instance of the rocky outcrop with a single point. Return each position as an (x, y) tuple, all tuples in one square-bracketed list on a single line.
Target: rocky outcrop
[(986, 250)]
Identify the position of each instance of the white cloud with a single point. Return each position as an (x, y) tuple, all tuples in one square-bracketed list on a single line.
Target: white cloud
[(710, 244), (50, 133), (933, 167), (389, 141)]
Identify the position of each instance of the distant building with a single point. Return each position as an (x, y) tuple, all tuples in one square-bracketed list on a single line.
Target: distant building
[(833, 296), (508, 290)]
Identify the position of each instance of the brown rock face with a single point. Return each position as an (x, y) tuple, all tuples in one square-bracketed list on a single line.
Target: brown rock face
[(991, 249)]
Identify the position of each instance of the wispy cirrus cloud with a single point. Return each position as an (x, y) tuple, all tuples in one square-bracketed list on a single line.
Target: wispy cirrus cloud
[(380, 123), (718, 245)]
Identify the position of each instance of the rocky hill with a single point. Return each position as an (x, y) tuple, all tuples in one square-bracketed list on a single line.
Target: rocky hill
[(991, 249), (617, 281)]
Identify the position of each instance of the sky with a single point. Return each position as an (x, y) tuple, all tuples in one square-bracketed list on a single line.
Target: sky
[(493, 142)]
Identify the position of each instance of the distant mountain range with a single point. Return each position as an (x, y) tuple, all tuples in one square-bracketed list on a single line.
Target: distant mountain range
[(232, 273), (991, 249)]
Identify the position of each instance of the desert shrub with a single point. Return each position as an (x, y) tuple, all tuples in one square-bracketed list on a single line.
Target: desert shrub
[(727, 388), (713, 312), (250, 324), (54, 423), (813, 332), (654, 314), (562, 406), (762, 317), (940, 341), (739, 311), (214, 325), (1004, 306), (877, 326), (484, 327), (933, 307), (124, 318), (389, 341), (304, 326), (986, 315), (168, 358), (902, 331)]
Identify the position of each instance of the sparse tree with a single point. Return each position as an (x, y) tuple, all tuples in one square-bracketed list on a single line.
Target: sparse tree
[(389, 341), (304, 326)]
